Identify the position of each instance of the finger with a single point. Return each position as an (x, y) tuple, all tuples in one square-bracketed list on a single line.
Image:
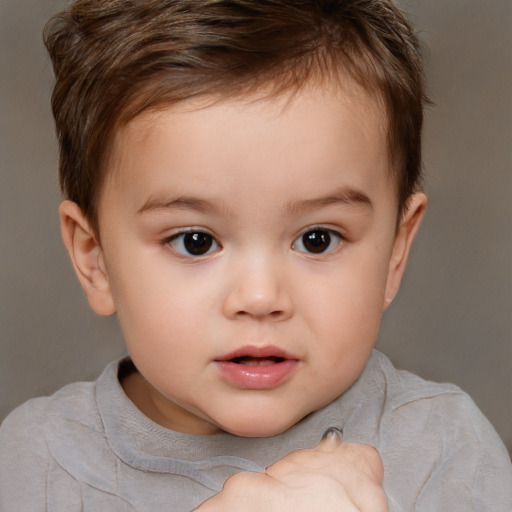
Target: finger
[(331, 440), (373, 499), (363, 459), (333, 432)]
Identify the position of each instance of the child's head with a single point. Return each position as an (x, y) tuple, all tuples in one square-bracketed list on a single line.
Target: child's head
[(243, 164), (114, 60)]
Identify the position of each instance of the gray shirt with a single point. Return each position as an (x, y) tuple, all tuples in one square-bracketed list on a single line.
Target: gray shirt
[(88, 448)]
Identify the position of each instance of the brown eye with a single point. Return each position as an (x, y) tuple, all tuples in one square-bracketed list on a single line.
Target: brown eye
[(194, 243), (197, 243), (317, 241)]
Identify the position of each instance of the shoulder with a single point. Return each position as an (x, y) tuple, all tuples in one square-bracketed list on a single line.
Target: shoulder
[(73, 402), (39, 439), (387, 398), (30, 420), (417, 406), (454, 458), (403, 387), (418, 403), (28, 431)]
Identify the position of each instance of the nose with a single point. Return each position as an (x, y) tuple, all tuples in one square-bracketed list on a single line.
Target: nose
[(258, 289)]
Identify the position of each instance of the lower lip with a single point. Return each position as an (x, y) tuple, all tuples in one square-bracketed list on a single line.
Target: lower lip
[(256, 377)]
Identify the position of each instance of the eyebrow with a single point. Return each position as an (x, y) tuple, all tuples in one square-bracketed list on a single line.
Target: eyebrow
[(155, 203), (345, 196)]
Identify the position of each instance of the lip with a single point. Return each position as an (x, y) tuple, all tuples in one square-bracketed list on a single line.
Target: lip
[(274, 367)]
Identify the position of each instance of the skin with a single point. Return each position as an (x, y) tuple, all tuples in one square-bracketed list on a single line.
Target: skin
[(254, 176), (335, 477), (256, 180)]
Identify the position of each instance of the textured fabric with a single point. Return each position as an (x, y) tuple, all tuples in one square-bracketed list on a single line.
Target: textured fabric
[(88, 448)]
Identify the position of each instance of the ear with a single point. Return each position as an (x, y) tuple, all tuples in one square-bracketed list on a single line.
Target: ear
[(87, 257), (409, 225)]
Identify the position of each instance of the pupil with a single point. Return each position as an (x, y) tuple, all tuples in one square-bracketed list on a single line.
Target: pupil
[(197, 243), (316, 241)]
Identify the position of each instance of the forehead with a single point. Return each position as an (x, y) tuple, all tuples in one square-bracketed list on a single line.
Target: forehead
[(208, 144), (275, 98)]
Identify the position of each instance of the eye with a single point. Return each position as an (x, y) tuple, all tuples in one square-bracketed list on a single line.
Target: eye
[(317, 241), (193, 243)]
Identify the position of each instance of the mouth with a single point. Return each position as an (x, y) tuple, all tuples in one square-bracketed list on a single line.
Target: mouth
[(251, 355), (257, 361), (257, 367)]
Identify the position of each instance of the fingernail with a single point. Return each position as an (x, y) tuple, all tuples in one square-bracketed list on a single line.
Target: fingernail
[(333, 433)]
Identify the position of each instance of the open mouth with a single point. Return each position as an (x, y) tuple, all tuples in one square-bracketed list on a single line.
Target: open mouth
[(253, 367), (257, 361)]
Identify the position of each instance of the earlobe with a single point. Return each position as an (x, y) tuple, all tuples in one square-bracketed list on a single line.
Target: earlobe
[(405, 235), (87, 257)]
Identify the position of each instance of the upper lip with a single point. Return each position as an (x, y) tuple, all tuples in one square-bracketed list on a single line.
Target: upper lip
[(255, 351)]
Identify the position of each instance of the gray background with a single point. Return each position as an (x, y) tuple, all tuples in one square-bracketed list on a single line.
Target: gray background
[(452, 319)]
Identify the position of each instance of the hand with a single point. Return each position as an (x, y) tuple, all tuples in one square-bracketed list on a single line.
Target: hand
[(335, 476)]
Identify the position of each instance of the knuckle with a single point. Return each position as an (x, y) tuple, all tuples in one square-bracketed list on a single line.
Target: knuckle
[(375, 463), (368, 451), (238, 480), (369, 460), (296, 456), (291, 461)]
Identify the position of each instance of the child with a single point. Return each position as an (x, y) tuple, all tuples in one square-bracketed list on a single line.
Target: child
[(243, 187)]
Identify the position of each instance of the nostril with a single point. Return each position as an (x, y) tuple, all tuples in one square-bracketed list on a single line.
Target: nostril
[(277, 314), (257, 296)]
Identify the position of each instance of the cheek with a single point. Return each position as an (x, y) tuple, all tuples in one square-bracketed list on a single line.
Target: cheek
[(140, 294), (345, 311), (158, 306), (351, 294)]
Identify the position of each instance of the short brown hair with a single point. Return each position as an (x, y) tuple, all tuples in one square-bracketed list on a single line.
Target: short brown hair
[(114, 59)]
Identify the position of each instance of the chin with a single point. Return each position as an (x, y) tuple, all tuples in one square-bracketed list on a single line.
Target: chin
[(256, 426)]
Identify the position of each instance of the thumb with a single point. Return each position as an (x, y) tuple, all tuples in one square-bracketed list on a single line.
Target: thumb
[(331, 440)]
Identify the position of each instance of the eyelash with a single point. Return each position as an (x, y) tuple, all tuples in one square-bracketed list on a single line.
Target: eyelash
[(318, 239), (331, 234), (205, 240)]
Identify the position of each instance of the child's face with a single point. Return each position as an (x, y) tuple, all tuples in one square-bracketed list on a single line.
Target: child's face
[(249, 250)]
